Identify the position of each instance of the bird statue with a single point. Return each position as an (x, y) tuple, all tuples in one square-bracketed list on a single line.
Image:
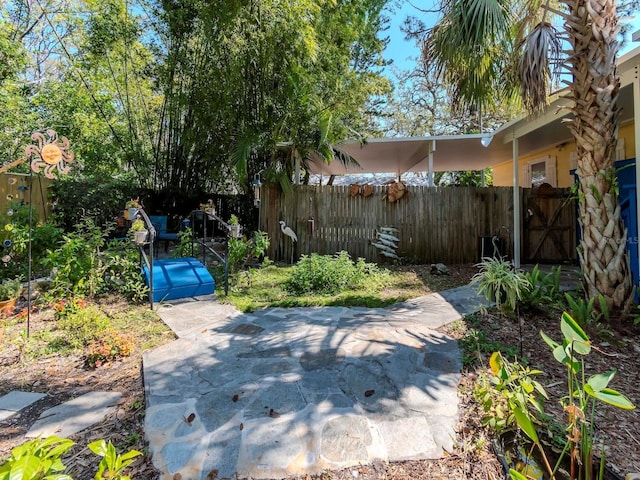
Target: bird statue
[(289, 233)]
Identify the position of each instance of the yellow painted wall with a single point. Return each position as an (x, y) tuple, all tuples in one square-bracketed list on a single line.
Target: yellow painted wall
[(503, 173)]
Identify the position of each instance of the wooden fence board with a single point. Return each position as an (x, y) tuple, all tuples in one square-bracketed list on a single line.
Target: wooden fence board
[(434, 224), (15, 187)]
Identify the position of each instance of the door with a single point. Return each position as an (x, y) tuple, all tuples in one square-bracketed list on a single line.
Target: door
[(550, 220)]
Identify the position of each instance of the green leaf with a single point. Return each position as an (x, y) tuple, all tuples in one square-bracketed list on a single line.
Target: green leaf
[(130, 454), (574, 333), (26, 467), (99, 447), (515, 475), (611, 397), (549, 341), (601, 380), (526, 424)]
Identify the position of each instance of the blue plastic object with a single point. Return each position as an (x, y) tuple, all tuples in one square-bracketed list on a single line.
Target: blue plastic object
[(627, 188), (179, 278)]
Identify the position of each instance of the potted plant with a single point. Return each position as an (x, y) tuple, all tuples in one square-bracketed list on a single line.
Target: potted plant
[(234, 227), (132, 207), (9, 292), (139, 231)]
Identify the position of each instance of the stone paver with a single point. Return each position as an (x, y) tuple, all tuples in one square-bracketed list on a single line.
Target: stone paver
[(301, 390), (75, 415), (16, 400)]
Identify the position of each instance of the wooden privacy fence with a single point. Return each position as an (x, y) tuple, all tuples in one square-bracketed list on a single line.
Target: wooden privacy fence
[(434, 224), (15, 187)]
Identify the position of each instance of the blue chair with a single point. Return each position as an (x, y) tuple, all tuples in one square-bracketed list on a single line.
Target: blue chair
[(159, 222)]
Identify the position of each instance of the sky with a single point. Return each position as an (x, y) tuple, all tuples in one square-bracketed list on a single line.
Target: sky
[(404, 53)]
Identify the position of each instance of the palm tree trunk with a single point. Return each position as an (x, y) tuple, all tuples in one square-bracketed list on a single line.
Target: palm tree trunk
[(593, 29)]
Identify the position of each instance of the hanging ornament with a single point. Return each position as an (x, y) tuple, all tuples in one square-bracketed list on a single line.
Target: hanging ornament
[(12, 181), (50, 153), (9, 197)]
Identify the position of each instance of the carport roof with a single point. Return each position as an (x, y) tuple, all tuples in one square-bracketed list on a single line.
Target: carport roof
[(466, 152)]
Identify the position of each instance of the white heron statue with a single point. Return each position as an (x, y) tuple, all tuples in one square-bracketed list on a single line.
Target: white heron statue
[(289, 233)]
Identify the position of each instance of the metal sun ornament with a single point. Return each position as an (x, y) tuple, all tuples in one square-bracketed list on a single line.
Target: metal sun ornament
[(50, 153)]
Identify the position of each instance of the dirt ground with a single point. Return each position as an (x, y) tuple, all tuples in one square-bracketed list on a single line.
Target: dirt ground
[(62, 378)]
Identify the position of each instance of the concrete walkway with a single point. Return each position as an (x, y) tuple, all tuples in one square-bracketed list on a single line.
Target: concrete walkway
[(293, 391)]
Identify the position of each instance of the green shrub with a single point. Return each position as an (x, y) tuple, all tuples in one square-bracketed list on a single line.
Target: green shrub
[(185, 246), (241, 250), (41, 458), (110, 346), (500, 283), (83, 325), (14, 242), (586, 315), (36, 459), (122, 273), (77, 266), (98, 197), (544, 288), (328, 275)]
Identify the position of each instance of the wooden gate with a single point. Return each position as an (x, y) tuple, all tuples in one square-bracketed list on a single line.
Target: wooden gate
[(549, 225)]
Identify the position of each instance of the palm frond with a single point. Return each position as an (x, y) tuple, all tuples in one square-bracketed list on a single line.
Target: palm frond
[(245, 144), (540, 52), (467, 49)]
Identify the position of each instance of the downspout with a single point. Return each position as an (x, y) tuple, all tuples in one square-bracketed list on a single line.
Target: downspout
[(636, 128), (430, 175), (516, 206)]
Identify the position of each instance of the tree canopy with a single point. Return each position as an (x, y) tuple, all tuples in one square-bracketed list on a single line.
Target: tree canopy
[(193, 95)]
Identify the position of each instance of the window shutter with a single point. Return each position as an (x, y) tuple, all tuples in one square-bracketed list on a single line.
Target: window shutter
[(551, 171)]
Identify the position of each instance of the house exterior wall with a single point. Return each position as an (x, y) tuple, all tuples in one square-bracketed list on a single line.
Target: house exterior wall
[(503, 172)]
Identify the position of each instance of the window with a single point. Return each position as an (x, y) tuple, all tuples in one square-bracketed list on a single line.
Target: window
[(539, 171)]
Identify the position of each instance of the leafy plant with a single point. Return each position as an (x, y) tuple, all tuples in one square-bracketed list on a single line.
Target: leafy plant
[(133, 203), (37, 459), (513, 388), (586, 315), (137, 225), (10, 289), (41, 459), (122, 272), (110, 346), (185, 246), (112, 464), (579, 403), (76, 264), (499, 282), (83, 325), (544, 288), (14, 242), (99, 197), (242, 250), (326, 274)]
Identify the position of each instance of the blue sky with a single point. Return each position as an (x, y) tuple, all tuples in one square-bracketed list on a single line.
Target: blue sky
[(403, 53)]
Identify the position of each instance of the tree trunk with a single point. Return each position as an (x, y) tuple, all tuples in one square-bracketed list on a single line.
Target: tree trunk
[(593, 28)]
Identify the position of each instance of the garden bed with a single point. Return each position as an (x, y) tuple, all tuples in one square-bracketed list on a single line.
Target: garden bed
[(64, 377)]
